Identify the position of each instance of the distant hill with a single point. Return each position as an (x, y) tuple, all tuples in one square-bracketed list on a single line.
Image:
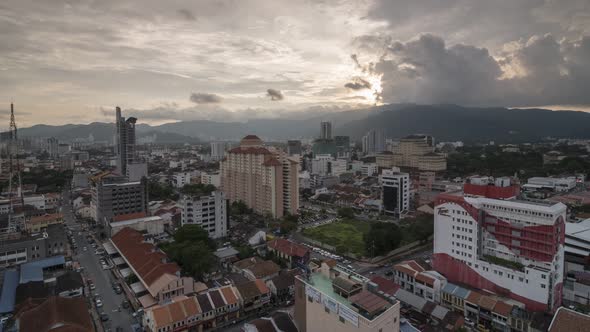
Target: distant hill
[(445, 122), (470, 124)]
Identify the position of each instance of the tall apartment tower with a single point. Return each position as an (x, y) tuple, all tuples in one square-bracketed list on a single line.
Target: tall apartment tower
[(125, 143), (487, 239), (326, 130), (395, 193), (217, 150), (373, 142), (263, 177)]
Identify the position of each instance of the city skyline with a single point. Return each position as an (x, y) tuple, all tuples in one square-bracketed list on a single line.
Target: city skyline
[(73, 62)]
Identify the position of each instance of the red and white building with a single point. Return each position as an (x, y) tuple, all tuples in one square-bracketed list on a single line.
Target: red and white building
[(486, 238)]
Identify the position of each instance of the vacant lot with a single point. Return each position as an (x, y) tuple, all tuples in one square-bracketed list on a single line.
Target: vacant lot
[(346, 235)]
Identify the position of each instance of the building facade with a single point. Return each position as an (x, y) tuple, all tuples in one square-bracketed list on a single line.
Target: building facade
[(326, 130), (114, 195), (264, 178), (210, 212), (373, 142), (217, 150), (395, 193), (485, 238)]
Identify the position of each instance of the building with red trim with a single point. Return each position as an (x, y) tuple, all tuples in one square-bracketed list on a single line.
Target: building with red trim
[(486, 238)]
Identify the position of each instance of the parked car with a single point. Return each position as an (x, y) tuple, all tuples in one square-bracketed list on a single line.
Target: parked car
[(104, 317), (98, 303)]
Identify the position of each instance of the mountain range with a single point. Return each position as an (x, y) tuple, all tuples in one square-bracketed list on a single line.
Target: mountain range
[(445, 122)]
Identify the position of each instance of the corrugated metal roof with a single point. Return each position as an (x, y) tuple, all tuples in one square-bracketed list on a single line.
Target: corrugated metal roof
[(440, 312), (411, 299), (9, 285), (33, 271)]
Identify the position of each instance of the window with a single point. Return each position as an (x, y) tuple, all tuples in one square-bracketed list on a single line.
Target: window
[(543, 285)]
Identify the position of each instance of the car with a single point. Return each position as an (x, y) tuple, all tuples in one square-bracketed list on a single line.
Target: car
[(92, 287), (469, 322), (98, 303), (84, 249), (125, 304), (389, 273), (118, 290), (104, 317)]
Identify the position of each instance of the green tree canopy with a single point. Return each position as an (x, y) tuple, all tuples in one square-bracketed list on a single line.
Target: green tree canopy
[(346, 213), (198, 189), (382, 238)]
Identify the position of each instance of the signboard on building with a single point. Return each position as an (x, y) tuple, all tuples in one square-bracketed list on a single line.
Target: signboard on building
[(313, 293), (330, 303), (349, 315)]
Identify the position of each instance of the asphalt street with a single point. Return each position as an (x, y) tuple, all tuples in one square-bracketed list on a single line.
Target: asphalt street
[(102, 278)]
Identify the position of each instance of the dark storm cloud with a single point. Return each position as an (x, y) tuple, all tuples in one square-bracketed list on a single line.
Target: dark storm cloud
[(539, 71), (205, 98), (358, 84), (274, 94)]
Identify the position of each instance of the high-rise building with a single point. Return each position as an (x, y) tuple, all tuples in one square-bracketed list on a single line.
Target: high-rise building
[(264, 178), (217, 150), (334, 298), (373, 142), (294, 147), (208, 211), (53, 147), (326, 130), (125, 141), (486, 238), (395, 193), (114, 195), (414, 151)]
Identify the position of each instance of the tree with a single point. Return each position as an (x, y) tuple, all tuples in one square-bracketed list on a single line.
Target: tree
[(160, 192), (421, 228), (192, 249), (238, 208), (245, 251), (346, 213), (382, 238), (198, 189), (192, 234)]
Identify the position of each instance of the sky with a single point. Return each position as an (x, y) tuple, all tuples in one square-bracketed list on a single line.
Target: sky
[(73, 61)]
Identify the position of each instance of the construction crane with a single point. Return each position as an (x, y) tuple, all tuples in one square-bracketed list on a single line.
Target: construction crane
[(14, 169)]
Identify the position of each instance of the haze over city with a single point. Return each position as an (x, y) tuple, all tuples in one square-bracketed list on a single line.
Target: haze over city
[(73, 61)]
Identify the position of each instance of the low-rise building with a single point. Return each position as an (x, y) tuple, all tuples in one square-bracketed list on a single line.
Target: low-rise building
[(253, 295), (295, 254), (153, 225), (414, 278), (69, 284), (37, 224)]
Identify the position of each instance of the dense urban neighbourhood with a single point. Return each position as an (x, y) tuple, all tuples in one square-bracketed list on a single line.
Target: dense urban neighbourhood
[(380, 233)]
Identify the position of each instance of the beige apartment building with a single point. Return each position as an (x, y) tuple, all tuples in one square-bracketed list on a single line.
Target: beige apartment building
[(414, 151), (334, 298), (263, 177)]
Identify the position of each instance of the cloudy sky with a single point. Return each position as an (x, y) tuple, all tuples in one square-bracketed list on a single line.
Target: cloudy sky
[(67, 61)]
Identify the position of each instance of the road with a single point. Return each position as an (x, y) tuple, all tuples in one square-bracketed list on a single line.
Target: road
[(101, 278)]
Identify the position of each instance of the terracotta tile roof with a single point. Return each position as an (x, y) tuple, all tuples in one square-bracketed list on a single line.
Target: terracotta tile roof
[(405, 269), (288, 248), (262, 288), (272, 162), (330, 262), (46, 218), (217, 299), (252, 289), (179, 310), (251, 137), (247, 262), (385, 285), (487, 302), (229, 295), (566, 320), (144, 258), (264, 269), (250, 150), (425, 279), (503, 309), (473, 297), (129, 216), (368, 301), (57, 314)]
